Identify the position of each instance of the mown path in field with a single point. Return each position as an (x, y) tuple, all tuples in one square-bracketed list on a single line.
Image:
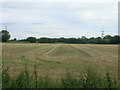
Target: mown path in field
[(59, 58)]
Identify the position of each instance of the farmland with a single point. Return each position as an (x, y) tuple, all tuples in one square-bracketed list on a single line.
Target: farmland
[(57, 59)]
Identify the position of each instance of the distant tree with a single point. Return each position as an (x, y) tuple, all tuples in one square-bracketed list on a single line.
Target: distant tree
[(115, 39), (108, 39), (72, 40), (15, 39), (61, 40), (31, 39), (83, 40), (99, 40), (92, 40), (4, 35), (83, 37), (44, 40)]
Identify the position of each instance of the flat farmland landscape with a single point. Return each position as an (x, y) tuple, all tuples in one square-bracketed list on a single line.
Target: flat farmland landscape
[(57, 59)]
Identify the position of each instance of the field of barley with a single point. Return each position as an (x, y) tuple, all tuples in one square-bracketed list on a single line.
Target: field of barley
[(57, 59)]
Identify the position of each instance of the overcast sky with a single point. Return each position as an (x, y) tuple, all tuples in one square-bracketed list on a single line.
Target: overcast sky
[(59, 18)]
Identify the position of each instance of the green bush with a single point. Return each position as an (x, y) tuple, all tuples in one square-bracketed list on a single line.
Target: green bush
[(69, 81), (89, 79)]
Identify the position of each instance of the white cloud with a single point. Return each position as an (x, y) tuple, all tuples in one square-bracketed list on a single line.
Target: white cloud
[(54, 19)]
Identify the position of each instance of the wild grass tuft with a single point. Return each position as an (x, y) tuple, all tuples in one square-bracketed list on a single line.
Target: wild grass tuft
[(88, 79)]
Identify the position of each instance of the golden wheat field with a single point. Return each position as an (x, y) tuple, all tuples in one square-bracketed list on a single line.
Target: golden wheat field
[(57, 59)]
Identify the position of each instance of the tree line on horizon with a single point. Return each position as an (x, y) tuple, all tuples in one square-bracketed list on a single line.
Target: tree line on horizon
[(108, 39)]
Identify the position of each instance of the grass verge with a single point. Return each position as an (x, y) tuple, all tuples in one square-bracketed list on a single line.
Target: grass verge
[(88, 79)]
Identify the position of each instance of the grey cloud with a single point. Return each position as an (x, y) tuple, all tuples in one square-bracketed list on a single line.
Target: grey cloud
[(56, 19)]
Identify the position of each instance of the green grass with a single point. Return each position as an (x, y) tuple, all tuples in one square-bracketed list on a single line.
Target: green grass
[(55, 60), (88, 79)]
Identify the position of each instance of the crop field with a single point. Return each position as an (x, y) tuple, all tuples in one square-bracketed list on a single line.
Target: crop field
[(57, 59)]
